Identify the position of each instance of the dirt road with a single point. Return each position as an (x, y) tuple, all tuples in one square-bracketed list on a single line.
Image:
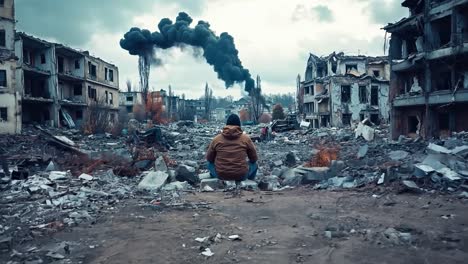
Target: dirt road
[(280, 227)]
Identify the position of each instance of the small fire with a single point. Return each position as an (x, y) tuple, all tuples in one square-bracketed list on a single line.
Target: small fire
[(324, 157)]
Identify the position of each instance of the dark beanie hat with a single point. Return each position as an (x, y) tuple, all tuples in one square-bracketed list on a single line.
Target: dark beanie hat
[(233, 120)]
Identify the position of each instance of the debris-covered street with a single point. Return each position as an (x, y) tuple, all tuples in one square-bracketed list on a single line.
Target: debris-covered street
[(255, 131), (324, 195)]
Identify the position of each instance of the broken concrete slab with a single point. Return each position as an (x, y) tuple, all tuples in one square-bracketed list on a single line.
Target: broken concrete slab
[(213, 183), (422, 170), (314, 174), (449, 174), (176, 186), (291, 178), (460, 151), (362, 151), (51, 166), (153, 181), (160, 164), (433, 148), (86, 177), (58, 175), (203, 176), (365, 131), (398, 155), (411, 186)]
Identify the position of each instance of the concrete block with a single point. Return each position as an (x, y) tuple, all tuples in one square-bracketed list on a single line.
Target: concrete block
[(153, 181)]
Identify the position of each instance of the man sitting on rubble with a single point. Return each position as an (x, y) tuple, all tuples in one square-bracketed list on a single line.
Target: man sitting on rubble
[(228, 152)]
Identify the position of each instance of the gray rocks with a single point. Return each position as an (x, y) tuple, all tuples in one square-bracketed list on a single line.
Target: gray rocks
[(291, 178), (58, 175), (187, 173), (212, 183), (411, 186), (398, 155), (362, 151), (160, 164), (153, 181), (314, 175)]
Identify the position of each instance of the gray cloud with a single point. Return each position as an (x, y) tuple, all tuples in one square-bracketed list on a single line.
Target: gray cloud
[(319, 13), (324, 13), (73, 22), (384, 12)]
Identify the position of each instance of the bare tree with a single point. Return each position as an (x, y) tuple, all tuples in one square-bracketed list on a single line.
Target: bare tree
[(258, 102), (208, 99)]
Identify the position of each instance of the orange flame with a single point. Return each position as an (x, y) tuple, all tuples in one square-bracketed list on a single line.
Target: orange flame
[(324, 157)]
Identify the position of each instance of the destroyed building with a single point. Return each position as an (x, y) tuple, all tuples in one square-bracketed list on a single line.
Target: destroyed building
[(429, 78), (340, 89), (10, 98), (129, 99), (59, 83)]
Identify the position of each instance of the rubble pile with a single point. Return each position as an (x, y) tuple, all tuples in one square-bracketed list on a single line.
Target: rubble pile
[(62, 178)]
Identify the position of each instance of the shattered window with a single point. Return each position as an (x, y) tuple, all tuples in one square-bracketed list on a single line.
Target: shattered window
[(350, 67), (375, 95), (3, 114), (3, 78), (129, 98), (346, 119), (111, 75), (77, 90), (2, 38), (363, 94), (345, 94)]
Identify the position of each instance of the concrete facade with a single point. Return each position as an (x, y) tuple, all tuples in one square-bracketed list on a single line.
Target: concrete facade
[(56, 83), (429, 78), (339, 90), (10, 98)]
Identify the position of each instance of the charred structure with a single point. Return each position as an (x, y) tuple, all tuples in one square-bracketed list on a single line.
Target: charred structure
[(429, 78)]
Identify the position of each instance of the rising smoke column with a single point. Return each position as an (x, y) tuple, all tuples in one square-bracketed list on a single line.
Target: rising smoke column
[(219, 51)]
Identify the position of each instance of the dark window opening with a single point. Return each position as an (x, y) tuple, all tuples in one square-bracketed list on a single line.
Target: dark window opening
[(319, 72), (375, 95), (3, 114), (324, 121), (93, 70), (28, 58), (129, 109), (91, 93), (349, 67), (376, 73), (413, 124), (105, 74), (2, 3), (129, 98), (77, 64), (346, 119), (77, 90), (361, 117), (60, 64), (306, 90), (3, 78), (345, 94), (374, 118), (2, 38), (444, 121), (111, 75), (442, 80), (363, 94), (79, 114), (43, 59), (442, 29), (111, 98)]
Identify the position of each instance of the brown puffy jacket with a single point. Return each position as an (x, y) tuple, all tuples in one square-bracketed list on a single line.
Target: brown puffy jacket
[(229, 152)]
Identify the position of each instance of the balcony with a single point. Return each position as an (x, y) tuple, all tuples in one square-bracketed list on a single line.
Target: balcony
[(69, 76)]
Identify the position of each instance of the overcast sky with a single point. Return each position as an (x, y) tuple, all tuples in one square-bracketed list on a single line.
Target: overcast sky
[(273, 38)]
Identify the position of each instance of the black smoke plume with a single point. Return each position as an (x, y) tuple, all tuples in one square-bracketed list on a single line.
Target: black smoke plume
[(219, 51)]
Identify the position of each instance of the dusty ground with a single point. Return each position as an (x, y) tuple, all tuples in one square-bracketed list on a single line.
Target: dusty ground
[(280, 227)]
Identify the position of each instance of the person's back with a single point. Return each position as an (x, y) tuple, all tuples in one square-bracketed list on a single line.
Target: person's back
[(228, 152)]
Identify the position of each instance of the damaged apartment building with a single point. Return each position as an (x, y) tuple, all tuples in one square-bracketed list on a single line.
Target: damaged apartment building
[(10, 98), (340, 89), (429, 78), (58, 83)]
